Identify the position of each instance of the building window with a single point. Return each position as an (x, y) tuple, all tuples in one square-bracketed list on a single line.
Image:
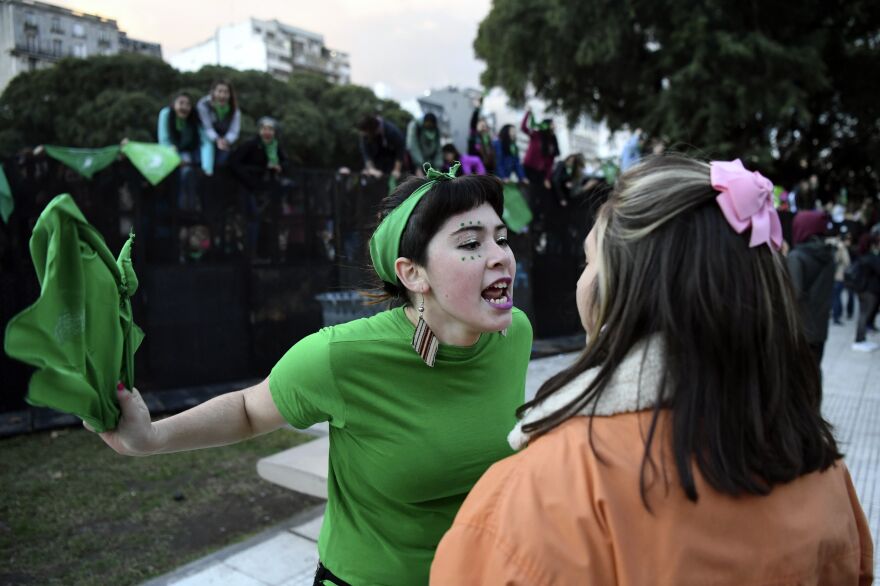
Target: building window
[(30, 20), (79, 50), (78, 30), (56, 47), (31, 43), (56, 25)]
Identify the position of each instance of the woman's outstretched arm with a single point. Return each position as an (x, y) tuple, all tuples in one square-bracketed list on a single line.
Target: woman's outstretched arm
[(223, 420)]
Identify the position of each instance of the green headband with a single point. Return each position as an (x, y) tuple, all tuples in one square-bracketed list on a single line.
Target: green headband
[(385, 242)]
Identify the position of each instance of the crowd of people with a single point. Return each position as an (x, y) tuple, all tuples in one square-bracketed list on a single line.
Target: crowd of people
[(206, 135), (827, 260), (549, 183)]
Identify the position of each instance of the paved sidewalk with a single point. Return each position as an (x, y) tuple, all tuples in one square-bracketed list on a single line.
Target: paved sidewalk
[(287, 555)]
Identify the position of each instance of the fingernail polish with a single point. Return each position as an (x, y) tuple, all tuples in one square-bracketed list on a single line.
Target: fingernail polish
[(120, 386)]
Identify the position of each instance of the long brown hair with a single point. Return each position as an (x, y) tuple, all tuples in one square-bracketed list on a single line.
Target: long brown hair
[(740, 384)]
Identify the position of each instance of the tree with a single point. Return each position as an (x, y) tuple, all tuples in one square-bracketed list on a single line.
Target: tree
[(789, 87), (99, 101)]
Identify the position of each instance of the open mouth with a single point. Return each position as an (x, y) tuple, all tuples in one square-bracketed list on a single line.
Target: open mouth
[(499, 294)]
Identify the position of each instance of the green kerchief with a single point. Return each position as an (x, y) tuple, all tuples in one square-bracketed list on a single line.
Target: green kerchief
[(222, 110), (86, 162), (154, 161), (385, 242), (517, 214), (7, 204), (79, 333), (179, 123), (272, 152)]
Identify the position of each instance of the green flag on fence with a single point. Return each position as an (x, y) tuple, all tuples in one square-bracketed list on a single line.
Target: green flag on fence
[(517, 214), (7, 204), (86, 162), (154, 161)]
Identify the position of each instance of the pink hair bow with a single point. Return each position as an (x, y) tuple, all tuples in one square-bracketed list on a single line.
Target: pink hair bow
[(746, 199)]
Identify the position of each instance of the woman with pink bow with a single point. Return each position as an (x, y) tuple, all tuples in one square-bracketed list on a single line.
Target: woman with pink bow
[(686, 444)]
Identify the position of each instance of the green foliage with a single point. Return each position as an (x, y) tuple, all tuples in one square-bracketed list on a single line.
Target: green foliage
[(100, 101), (788, 86)]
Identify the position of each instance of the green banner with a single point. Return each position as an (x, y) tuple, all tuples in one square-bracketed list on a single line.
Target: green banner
[(517, 214), (86, 162), (7, 204), (154, 161)]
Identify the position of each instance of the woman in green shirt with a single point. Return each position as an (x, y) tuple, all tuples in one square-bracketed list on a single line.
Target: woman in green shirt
[(419, 398)]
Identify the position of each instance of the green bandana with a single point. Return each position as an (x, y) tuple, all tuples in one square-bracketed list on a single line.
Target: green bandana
[(179, 123), (79, 334), (385, 242), (272, 152), (154, 161), (222, 110), (86, 162)]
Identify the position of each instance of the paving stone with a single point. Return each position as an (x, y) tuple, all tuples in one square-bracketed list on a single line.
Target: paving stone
[(219, 575), (276, 560)]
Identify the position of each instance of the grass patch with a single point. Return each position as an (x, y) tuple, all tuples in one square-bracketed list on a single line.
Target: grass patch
[(72, 511)]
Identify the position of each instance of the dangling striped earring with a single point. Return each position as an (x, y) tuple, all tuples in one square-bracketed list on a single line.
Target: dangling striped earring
[(424, 341)]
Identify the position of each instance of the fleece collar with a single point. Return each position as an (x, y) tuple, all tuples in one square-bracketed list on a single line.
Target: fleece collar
[(633, 387)]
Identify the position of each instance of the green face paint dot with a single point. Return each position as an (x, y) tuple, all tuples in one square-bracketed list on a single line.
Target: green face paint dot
[(462, 258), (472, 258), (470, 223), (462, 223)]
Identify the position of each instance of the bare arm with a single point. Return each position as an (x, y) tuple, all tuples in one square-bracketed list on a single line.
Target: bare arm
[(223, 420)]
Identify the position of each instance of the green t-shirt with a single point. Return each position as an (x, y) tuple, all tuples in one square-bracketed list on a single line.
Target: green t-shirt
[(407, 442)]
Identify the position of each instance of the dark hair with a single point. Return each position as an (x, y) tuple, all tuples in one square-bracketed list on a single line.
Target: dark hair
[(740, 384), (192, 119), (233, 102), (549, 144), (368, 124), (450, 148), (508, 146), (430, 117), (444, 200)]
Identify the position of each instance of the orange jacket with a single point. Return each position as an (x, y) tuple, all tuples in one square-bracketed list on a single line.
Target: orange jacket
[(554, 514)]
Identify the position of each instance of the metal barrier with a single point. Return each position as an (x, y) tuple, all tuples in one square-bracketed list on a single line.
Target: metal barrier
[(228, 285)]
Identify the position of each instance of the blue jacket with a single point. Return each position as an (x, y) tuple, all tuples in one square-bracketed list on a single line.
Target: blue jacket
[(505, 163)]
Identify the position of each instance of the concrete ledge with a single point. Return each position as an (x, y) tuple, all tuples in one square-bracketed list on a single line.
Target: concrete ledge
[(302, 468)]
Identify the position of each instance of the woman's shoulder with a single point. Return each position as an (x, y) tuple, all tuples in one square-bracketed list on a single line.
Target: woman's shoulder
[(381, 326)]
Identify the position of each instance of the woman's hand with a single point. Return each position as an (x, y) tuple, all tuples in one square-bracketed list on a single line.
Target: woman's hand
[(135, 434)]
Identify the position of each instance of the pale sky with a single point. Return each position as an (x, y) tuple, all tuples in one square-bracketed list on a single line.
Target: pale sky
[(409, 45)]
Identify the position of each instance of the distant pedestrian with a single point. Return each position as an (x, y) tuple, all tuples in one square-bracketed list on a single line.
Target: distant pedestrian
[(470, 165), (811, 266), (841, 263), (178, 127), (423, 143), (221, 118), (869, 294), (507, 159), (382, 147), (480, 139)]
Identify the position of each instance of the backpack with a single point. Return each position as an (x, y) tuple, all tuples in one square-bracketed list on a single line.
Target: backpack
[(855, 277)]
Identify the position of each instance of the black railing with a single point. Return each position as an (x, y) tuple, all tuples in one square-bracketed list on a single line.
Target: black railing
[(228, 281)]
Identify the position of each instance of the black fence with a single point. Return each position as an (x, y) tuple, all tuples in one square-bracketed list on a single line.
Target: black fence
[(229, 282)]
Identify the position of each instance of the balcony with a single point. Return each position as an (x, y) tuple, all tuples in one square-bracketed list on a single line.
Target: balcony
[(43, 51)]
